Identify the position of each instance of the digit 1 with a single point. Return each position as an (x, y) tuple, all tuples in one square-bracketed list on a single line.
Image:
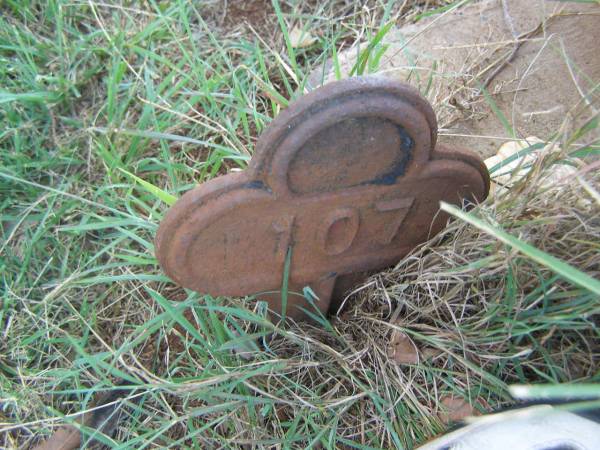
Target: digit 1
[(283, 228)]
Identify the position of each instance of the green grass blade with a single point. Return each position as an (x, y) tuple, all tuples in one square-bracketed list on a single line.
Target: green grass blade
[(154, 190), (521, 153), (359, 67), (499, 114), (285, 283), (567, 271), (286, 36), (555, 391)]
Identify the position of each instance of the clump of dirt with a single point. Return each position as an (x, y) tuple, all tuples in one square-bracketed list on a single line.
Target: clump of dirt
[(259, 14)]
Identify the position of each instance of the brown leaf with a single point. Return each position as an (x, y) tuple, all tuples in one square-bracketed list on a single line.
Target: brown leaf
[(65, 438), (104, 417), (431, 353), (455, 409), (402, 349)]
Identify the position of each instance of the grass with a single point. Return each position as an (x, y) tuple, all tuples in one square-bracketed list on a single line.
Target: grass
[(109, 113)]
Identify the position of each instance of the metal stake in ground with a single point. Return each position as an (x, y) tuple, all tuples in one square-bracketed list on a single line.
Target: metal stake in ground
[(348, 179)]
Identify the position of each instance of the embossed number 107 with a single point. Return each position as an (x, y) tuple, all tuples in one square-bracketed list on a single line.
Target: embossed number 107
[(340, 227)]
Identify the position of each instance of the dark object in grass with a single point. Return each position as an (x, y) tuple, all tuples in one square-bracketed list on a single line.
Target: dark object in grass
[(346, 180), (103, 417)]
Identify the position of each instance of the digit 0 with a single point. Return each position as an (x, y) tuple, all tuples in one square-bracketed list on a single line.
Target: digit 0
[(338, 230)]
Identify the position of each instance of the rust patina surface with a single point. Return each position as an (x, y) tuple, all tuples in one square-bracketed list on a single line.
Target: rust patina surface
[(348, 179)]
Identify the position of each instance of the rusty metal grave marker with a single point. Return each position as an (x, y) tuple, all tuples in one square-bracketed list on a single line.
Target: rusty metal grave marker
[(348, 178)]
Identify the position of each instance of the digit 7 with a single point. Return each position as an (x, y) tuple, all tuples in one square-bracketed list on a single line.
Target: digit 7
[(402, 205)]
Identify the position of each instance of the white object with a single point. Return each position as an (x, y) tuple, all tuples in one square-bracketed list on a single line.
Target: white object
[(512, 172), (541, 427)]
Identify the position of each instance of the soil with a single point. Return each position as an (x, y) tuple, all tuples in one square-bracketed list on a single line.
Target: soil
[(258, 13)]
